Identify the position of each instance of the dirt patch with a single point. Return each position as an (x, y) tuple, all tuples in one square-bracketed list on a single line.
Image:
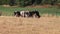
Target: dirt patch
[(9, 6), (39, 6), (6, 5)]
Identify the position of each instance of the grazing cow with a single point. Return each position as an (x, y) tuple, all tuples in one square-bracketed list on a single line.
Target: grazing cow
[(21, 13), (34, 13)]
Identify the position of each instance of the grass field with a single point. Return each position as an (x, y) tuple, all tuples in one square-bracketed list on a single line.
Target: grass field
[(19, 25), (8, 11)]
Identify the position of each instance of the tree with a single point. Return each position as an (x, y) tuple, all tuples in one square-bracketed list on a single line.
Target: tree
[(25, 2), (37, 2), (53, 2), (12, 2), (1, 2)]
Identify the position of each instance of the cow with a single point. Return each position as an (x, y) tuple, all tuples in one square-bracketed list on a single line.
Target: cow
[(20, 13), (34, 14), (24, 13)]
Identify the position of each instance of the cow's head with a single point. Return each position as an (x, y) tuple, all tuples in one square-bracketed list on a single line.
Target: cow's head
[(17, 13)]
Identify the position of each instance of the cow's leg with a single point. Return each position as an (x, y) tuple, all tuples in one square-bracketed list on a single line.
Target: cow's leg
[(38, 15), (26, 14), (34, 15)]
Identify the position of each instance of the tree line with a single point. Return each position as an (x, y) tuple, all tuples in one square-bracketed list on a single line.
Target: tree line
[(28, 2)]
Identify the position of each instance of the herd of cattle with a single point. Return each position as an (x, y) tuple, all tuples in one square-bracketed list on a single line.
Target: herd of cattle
[(27, 14)]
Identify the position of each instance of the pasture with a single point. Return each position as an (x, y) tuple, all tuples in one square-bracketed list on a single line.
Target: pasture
[(8, 11), (19, 25), (10, 24)]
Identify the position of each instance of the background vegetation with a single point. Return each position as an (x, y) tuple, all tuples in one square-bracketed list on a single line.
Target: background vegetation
[(28, 2), (8, 11), (53, 9)]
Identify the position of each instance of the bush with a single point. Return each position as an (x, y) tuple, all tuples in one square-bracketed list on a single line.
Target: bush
[(12, 2), (0, 2), (25, 2)]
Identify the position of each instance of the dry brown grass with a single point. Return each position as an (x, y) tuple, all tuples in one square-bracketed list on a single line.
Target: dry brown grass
[(18, 25)]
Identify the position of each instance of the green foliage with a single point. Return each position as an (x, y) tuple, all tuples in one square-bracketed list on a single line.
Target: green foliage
[(9, 11), (0, 2), (28, 2), (25, 2), (58, 1), (12, 2), (46, 1), (52, 2), (4, 1), (37, 2)]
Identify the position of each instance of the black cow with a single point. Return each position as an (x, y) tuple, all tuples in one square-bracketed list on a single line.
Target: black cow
[(34, 13)]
